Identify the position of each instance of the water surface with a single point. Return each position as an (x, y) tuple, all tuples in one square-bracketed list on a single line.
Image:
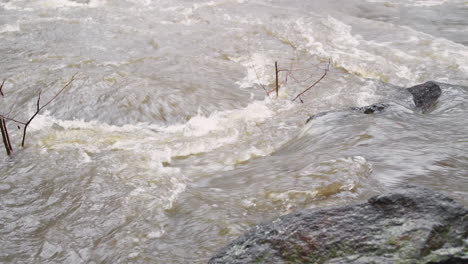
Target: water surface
[(166, 147)]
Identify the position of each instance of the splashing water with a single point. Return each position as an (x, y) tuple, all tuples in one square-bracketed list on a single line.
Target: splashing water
[(166, 146)]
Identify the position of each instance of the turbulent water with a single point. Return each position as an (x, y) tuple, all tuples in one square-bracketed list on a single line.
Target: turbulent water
[(165, 147)]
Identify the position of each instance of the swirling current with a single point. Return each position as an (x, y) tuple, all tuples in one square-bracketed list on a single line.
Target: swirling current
[(171, 141)]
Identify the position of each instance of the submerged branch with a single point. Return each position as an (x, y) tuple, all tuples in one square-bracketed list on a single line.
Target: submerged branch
[(315, 83), (1, 87), (39, 107), (6, 140), (277, 81), (12, 119), (7, 136), (57, 94)]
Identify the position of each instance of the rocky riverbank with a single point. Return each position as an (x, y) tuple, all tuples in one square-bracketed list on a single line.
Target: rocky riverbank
[(408, 225)]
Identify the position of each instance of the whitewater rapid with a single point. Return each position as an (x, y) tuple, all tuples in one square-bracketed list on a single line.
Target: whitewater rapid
[(169, 143)]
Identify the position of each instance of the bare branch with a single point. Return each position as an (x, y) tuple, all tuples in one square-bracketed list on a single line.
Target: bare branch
[(11, 119), (57, 94), (25, 128), (1, 87), (7, 117), (315, 83), (277, 81), (39, 108), (3, 119), (289, 73), (5, 138)]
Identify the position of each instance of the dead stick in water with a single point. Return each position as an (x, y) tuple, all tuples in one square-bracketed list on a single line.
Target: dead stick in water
[(315, 83), (4, 137), (4, 129), (39, 108), (277, 82), (7, 136), (1, 87)]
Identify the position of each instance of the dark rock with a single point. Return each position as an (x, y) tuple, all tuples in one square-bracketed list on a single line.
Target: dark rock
[(370, 109), (409, 225), (425, 95)]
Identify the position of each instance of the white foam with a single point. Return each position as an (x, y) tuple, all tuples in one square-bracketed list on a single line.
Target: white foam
[(256, 66), (199, 125), (426, 3), (341, 46), (159, 144), (388, 61), (188, 13), (156, 234), (9, 28), (141, 2), (51, 4)]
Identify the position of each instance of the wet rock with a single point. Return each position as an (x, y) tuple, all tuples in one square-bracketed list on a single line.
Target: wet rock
[(409, 225), (370, 109), (425, 95)]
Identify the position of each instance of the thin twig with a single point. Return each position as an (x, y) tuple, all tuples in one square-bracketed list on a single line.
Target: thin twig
[(1, 87), (11, 119), (7, 136), (315, 83), (277, 81), (57, 94), (39, 108), (4, 138), (289, 73), (7, 117)]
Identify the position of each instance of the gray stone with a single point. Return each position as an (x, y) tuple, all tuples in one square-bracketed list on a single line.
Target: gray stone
[(425, 95), (370, 109), (408, 225)]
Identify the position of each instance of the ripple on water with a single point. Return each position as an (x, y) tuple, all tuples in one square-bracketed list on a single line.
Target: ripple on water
[(165, 147)]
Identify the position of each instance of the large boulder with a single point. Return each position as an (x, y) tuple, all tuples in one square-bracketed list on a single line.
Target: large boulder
[(408, 225), (425, 95)]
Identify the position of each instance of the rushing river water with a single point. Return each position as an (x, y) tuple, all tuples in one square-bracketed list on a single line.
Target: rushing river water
[(166, 147)]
